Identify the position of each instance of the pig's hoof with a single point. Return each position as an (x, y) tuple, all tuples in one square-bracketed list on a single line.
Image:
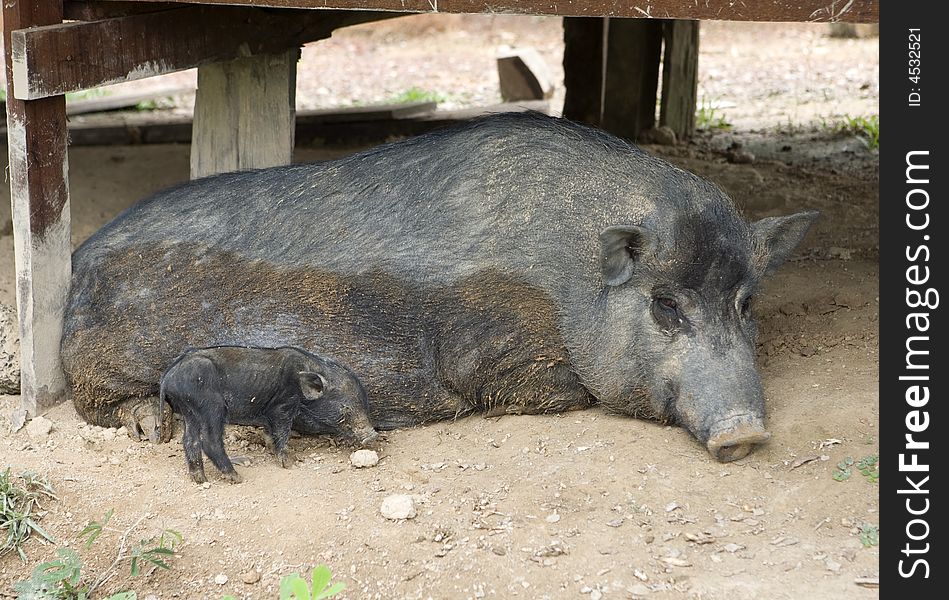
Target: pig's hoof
[(198, 477), (285, 459), (233, 477), (141, 419)]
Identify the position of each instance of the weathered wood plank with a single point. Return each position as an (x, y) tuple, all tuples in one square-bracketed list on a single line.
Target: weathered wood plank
[(680, 76), (631, 76), (93, 10), (56, 59), (855, 11), (36, 137), (583, 69), (127, 100), (244, 114)]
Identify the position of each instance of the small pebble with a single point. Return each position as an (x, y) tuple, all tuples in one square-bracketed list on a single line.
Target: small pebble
[(220, 579), (398, 506), (552, 518), (39, 427), (251, 577), (364, 458)]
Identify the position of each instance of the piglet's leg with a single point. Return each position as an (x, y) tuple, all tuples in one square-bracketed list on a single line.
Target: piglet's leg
[(212, 440), (280, 421), (192, 446)]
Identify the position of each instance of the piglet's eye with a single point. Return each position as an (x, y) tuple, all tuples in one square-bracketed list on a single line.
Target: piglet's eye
[(668, 303), (746, 306)]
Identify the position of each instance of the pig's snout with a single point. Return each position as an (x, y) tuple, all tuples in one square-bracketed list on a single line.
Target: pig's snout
[(735, 437)]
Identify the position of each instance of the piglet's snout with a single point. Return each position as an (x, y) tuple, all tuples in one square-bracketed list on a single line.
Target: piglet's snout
[(735, 437)]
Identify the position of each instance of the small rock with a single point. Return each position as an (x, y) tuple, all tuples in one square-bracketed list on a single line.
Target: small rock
[(251, 577), (39, 427), (832, 565), (638, 589), (364, 458), (220, 579), (499, 550), (17, 420), (663, 135), (122, 432), (108, 434), (398, 506), (840, 253), (206, 485), (732, 548), (552, 518), (738, 155), (596, 595)]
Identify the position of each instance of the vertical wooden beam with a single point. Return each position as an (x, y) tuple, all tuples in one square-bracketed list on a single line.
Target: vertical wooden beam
[(680, 76), (583, 69), (244, 114), (631, 76), (39, 190)]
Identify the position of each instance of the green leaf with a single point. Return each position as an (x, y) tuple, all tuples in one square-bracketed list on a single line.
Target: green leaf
[(123, 596), (321, 576), (842, 475), (335, 589), (135, 570), (35, 527), (286, 585)]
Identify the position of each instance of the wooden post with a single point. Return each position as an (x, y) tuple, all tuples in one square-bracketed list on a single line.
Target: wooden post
[(244, 114), (583, 69), (39, 190), (631, 75), (680, 76)]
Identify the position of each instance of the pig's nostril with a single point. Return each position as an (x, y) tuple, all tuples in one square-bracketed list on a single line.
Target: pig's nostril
[(736, 443), (732, 452)]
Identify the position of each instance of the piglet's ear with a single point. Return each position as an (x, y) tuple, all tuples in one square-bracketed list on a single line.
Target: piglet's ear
[(313, 382), (777, 237), (620, 247)]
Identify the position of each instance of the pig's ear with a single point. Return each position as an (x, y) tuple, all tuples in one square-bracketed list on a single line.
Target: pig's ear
[(620, 247), (776, 237), (313, 382)]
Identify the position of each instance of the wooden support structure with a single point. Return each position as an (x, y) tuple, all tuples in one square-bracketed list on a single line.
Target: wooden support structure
[(680, 76), (631, 76), (611, 72), (244, 114), (36, 139), (856, 11), (54, 60), (583, 69)]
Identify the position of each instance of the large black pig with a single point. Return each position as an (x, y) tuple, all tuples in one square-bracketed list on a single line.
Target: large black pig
[(518, 263)]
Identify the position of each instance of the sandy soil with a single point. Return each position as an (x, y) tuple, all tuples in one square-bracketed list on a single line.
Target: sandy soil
[(583, 505)]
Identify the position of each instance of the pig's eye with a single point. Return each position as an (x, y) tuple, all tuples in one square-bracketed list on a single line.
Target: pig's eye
[(746, 306), (665, 311)]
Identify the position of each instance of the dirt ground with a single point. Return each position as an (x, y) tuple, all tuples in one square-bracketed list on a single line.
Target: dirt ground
[(583, 505)]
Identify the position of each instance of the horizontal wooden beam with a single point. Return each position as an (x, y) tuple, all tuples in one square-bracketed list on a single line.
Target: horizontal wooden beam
[(854, 11), (92, 10), (56, 59)]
